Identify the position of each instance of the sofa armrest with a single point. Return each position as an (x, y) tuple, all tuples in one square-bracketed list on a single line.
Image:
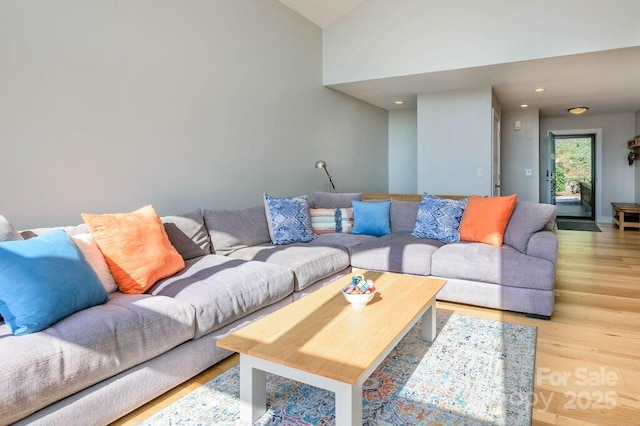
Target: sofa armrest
[(544, 245)]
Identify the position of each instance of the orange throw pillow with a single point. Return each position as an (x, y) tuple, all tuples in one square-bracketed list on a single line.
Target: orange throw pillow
[(136, 248), (485, 219)]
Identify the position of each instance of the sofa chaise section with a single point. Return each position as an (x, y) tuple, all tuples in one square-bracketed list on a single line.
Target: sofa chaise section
[(535, 303), (518, 276), (495, 277), (497, 265)]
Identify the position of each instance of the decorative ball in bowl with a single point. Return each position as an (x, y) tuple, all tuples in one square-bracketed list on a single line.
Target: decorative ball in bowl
[(359, 292)]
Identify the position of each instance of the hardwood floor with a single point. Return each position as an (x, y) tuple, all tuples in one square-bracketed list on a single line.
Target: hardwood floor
[(588, 354)]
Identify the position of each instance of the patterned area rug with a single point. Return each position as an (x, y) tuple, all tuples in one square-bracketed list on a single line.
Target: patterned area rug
[(477, 372)]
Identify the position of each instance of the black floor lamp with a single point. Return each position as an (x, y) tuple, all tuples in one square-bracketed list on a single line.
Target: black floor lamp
[(322, 165)]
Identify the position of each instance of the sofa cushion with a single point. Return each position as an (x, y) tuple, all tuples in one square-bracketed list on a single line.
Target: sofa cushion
[(7, 231), (395, 253), (342, 240), (332, 200), (135, 246), (43, 280), (231, 230), (94, 257), (288, 219), (71, 230), (309, 262), (223, 290), (403, 215), (188, 234), (86, 348), (496, 296), (527, 219), (371, 218), (499, 265), (485, 219), (439, 218)]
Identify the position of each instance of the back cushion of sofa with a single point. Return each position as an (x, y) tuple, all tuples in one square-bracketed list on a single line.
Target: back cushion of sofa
[(527, 219), (231, 230), (403, 216), (335, 200), (188, 234), (71, 230), (7, 231)]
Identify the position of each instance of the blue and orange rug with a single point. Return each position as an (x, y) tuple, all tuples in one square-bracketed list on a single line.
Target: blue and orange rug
[(476, 372)]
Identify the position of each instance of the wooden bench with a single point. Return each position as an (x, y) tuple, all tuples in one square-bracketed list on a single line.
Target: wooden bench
[(619, 210)]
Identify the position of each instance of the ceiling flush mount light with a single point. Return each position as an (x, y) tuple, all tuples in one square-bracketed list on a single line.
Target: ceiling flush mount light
[(398, 102), (323, 165), (524, 106), (578, 110), (540, 89)]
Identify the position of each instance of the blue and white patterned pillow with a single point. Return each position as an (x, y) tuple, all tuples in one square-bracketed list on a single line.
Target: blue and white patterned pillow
[(289, 220), (439, 218)]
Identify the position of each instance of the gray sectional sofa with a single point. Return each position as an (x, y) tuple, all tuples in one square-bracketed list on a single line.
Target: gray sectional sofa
[(103, 362)]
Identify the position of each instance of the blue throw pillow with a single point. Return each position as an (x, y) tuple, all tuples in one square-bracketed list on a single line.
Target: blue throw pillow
[(43, 280), (439, 218), (289, 220), (371, 218)]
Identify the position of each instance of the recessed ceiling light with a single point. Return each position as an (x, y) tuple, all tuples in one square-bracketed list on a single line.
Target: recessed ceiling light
[(540, 89), (524, 106), (578, 110), (398, 102)]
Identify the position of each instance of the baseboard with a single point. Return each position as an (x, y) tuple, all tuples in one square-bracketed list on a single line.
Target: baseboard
[(604, 219)]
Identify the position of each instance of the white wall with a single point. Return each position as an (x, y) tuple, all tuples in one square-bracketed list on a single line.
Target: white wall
[(382, 38), (615, 179), (519, 152), (403, 146), (454, 141), (108, 106)]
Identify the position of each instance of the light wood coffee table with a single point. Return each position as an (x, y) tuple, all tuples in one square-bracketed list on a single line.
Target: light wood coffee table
[(323, 341)]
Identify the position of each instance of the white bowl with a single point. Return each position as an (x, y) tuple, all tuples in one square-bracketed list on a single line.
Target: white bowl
[(358, 300)]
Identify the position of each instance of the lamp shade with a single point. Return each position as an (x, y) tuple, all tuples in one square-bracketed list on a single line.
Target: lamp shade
[(321, 164)]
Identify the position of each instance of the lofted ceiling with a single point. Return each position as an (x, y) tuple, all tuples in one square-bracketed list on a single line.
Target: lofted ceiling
[(321, 12), (607, 82)]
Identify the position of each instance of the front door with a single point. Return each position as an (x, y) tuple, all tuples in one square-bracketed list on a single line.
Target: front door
[(551, 169), (574, 175)]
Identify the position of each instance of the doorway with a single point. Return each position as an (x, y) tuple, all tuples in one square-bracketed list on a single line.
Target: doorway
[(574, 175), (495, 154)]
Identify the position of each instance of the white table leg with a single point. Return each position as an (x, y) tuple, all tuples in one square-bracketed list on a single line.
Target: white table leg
[(429, 323), (349, 405), (253, 391)]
